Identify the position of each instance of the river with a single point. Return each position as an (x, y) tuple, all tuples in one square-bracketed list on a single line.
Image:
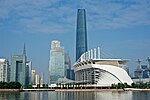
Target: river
[(53, 95)]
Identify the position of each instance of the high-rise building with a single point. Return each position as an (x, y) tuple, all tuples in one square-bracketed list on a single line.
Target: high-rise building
[(37, 79), (42, 79), (4, 70), (33, 73), (69, 72), (81, 33), (56, 63), (28, 72), (18, 68), (143, 72), (72, 74), (67, 66)]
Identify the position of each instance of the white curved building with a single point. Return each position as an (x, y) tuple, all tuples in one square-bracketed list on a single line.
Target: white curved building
[(93, 71)]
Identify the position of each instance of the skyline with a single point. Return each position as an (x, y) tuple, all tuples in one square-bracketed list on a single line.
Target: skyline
[(119, 27)]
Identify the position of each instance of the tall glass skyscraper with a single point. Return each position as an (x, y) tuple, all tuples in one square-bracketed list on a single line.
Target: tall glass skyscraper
[(56, 63), (81, 33)]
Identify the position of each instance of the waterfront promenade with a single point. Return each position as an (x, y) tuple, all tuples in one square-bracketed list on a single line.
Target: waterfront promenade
[(67, 90), (40, 89)]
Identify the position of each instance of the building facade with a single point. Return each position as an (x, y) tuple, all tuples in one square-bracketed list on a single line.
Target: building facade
[(56, 63), (72, 74), (4, 70), (81, 33), (33, 73), (37, 79), (18, 68), (67, 66), (28, 72), (93, 71)]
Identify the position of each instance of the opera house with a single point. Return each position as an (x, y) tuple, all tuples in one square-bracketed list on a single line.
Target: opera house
[(91, 70)]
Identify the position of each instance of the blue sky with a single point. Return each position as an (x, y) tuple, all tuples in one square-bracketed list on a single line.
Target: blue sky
[(120, 27)]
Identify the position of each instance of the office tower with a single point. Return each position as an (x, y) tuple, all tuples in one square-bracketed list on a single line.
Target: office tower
[(67, 66), (81, 33), (69, 72), (28, 72), (18, 68), (37, 79), (33, 73), (4, 70), (56, 63), (72, 74), (42, 79)]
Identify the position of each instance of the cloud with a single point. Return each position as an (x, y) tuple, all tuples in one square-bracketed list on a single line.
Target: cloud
[(38, 16), (118, 13), (36, 25), (58, 16)]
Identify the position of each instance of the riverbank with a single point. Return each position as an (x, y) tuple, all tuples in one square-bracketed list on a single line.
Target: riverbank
[(73, 90), (10, 90), (90, 90), (38, 89), (136, 89), (58, 90)]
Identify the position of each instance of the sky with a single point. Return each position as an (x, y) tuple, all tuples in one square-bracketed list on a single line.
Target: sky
[(121, 28)]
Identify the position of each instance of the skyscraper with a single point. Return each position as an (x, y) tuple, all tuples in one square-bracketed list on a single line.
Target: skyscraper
[(81, 33), (37, 79), (4, 70), (18, 68), (69, 72), (67, 65), (56, 63), (33, 73), (28, 72)]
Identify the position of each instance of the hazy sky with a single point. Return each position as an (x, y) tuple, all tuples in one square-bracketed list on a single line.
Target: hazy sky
[(120, 27)]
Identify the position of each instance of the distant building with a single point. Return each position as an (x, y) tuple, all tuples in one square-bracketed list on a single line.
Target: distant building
[(67, 66), (143, 72), (81, 33), (4, 70), (37, 79), (18, 68), (33, 73), (56, 63), (42, 79), (72, 74), (28, 71)]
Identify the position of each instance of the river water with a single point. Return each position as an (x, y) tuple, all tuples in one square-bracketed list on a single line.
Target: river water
[(100, 95)]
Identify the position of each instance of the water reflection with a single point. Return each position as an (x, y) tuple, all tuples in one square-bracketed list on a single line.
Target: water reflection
[(142, 95), (9, 95), (52, 95)]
